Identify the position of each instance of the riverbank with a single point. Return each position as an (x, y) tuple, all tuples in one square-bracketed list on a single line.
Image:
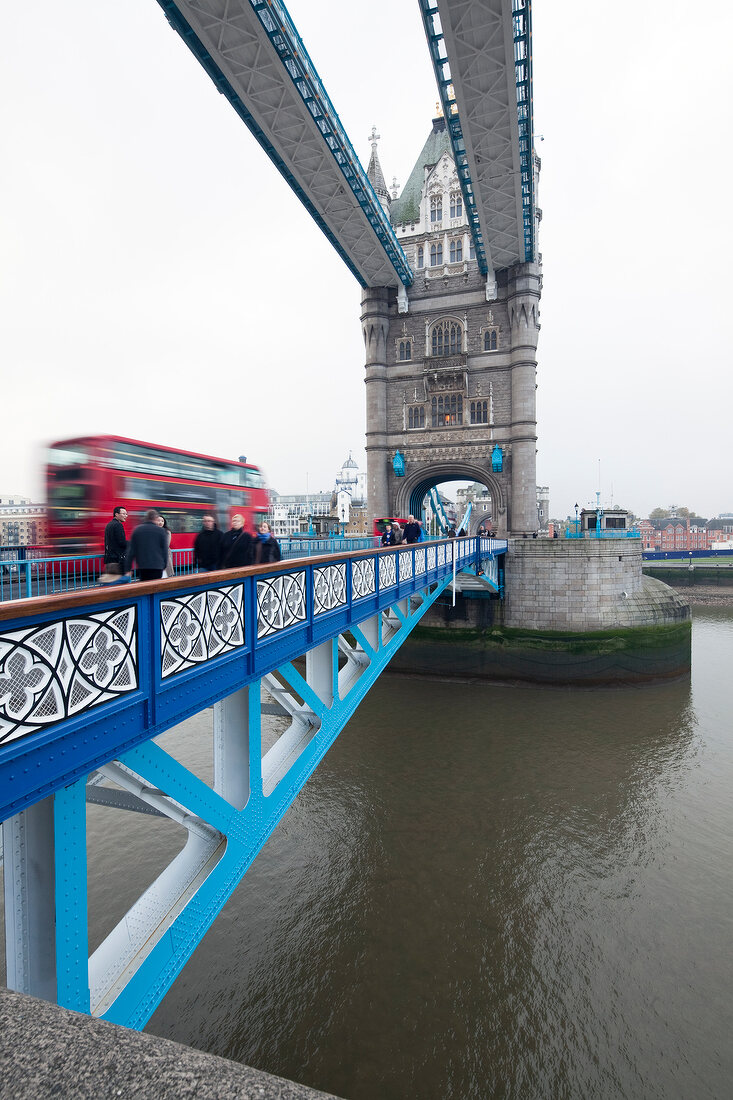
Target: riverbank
[(710, 595)]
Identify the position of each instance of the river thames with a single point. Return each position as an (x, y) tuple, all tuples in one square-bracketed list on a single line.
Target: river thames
[(484, 891)]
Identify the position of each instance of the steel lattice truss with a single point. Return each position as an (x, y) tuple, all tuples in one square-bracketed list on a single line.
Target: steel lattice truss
[(254, 55), (481, 52), (88, 681)]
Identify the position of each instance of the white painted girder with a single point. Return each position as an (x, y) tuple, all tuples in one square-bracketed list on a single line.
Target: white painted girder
[(480, 48), (241, 49)]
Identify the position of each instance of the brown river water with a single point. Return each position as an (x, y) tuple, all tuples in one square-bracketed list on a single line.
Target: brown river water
[(484, 891)]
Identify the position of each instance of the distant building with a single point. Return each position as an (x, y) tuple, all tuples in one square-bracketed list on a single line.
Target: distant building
[(320, 513), (22, 523), (677, 534), (292, 514), (543, 509)]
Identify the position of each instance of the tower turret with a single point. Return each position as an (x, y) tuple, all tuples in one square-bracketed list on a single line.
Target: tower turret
[(376, 175)]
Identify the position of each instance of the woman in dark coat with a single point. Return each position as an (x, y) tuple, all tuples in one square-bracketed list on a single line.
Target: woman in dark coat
[(267, 548), (237, 546)]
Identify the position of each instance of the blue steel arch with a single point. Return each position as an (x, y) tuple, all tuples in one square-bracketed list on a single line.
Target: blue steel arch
[(410, 495)]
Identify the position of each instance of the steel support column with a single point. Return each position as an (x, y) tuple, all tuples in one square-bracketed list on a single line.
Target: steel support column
[(28, 858)]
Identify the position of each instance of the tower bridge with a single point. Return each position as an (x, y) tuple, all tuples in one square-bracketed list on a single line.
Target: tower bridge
[(450, 288), (449, 267)]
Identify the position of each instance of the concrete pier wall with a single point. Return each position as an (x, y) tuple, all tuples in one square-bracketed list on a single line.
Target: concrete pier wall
[(585, 585), (575, 612)]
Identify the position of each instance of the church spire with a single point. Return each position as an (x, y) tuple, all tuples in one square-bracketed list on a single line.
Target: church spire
[(375, 173)]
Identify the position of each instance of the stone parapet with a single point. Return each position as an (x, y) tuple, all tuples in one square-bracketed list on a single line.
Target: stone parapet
[(47, 1051)]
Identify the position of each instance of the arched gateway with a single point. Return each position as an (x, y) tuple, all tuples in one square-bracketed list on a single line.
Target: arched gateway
[(450, 373), (412, 489)]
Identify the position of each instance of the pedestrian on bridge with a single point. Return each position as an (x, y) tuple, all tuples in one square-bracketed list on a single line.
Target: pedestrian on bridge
[(207, 545), (412, 530), (237, 546), (169, 571), (388, 538), (149, 548), (266, 547), (115, 541), (398, 533)]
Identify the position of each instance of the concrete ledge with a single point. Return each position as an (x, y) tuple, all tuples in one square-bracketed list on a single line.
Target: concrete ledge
[(47, 1051)]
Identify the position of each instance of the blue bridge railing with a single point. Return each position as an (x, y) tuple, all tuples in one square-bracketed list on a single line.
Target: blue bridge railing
[(594, 533), (89, 679), (34, 571)]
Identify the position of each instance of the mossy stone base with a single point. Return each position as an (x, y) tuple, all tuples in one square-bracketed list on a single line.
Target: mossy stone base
[(621, 656)]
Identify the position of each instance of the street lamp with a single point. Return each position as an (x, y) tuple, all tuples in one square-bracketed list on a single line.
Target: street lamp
[(577, 529)]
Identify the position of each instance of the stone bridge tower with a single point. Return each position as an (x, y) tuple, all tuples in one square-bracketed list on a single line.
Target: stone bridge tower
[(450, 374)]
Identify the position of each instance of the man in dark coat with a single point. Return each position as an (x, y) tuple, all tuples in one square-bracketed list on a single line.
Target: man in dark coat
[(115, 541), (149, 548), (412, 530), (237, 548), (207, 545)]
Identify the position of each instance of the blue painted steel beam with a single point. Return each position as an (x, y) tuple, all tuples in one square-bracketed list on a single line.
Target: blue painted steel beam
[(87, 684), (56, 715), (522, 25), (300, 71), (522, 39), (441, 67)]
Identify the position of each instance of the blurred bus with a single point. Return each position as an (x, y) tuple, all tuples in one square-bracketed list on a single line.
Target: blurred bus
[(87, 478), (380, 524)]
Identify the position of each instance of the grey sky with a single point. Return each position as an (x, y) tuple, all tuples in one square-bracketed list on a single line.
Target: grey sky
[(161, 281)]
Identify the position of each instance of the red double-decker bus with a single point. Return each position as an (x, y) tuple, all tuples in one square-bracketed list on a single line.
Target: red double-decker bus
[(88, 477)]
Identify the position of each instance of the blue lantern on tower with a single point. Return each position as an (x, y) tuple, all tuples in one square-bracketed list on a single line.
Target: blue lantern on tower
[(497, 459), (398, 464)]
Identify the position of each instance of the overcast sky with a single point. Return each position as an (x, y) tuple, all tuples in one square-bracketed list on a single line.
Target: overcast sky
[(161, 281)]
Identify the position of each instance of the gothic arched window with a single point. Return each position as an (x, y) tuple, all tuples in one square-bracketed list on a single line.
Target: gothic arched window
[(436, 255), (447, 410), (405, 349), (479, 412), (420, 256), (436, 208), (456, 205), (447, 338), (416, 417), (456, 251), (490, 340), (471, 250)]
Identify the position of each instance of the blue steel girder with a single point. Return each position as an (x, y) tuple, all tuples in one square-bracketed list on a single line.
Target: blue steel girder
[(255, 57), (482, 57), (86, 683)]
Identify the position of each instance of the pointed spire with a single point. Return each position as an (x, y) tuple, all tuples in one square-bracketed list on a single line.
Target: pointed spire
[(375, 173)]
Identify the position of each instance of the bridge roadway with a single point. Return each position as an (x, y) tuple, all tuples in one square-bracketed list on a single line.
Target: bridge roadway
[(88, 680)]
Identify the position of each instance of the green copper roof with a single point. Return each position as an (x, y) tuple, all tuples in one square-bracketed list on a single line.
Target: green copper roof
[(406, 209)]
